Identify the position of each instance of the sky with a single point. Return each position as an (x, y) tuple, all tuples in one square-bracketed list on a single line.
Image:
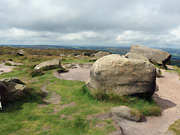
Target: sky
[(153, 23)]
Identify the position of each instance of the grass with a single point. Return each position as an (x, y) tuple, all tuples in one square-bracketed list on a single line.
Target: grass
[(175, 128), (25, 117)]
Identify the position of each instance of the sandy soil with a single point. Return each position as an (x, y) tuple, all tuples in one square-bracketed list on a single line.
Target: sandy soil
[(167, 96), (5, 69), (79, 74)]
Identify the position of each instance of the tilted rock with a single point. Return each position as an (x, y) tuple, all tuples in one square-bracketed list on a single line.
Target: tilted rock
[(130, 55), (122, 76), (126, 113), (155, 56), (98, 55), (101, 54), (55, 63), (11, 89)]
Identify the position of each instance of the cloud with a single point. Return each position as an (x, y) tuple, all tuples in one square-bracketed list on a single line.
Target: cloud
[(90, 22)]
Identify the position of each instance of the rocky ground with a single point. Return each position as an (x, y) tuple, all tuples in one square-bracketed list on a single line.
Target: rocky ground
[(167, 96), (5, 69)]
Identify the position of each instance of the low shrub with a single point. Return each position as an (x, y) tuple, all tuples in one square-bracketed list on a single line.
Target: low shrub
[(35, 73), (8, 64)]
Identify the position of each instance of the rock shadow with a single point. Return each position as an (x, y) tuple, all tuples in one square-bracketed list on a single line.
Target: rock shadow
[(30, 96), (163, 103)]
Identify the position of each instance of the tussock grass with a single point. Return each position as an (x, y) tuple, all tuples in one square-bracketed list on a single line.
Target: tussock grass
[(25, 117), (175, 128), (148, 107)]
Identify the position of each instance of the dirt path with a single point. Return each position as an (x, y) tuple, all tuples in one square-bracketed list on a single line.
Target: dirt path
[(167, 96), (5, 69), (79, 74)]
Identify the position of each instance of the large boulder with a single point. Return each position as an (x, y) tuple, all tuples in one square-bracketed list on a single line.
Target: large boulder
[(51, 64), (11, 89), (155, 56), (117, 75), (101, 54), (98, 55), (130, 55)]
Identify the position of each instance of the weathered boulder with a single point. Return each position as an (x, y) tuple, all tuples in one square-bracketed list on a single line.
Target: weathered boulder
[(122, 76), (126, 113), (98, 55), (51, 64), (62, 55), (11, 89), (130, 55), (86, 54), (101, 54), (156, 56), (20, 52), (69, 65)]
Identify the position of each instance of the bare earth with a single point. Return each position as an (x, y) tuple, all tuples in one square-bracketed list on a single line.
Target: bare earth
[(167, 96), (5, 69), (79, 74)]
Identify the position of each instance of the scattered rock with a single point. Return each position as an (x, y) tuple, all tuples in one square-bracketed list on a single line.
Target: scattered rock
[(98, 55), (155, 56), (51, 64), (121, 76), (130, 55), (86, 54), (20, 53), (70, 66), (126, 113), (87, 65), (11, 89), (101, 54), (77, 56), (62, 55), (72, 55)]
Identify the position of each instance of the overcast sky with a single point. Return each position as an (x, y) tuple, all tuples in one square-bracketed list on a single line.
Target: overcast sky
[(154, 23)]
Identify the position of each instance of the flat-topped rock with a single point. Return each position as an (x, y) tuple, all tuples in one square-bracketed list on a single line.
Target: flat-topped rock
[(155, 56), (11, 89), (48, 64)]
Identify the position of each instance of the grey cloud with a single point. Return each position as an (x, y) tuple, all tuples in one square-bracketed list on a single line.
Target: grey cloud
[(108, 18)]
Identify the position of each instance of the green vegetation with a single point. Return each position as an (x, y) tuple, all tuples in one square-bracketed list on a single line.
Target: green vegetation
[(30, 115), (8, 64), (175, 128), (145, 106)]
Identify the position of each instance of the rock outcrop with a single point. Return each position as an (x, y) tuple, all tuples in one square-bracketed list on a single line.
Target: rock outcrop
[(101, 54), (126, 113), (51, 64), (130, 55), (11, 89), (122, 76), (98, 55), (155, 56)]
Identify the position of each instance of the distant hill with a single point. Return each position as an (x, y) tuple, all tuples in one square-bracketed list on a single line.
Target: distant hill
[(175, 60)]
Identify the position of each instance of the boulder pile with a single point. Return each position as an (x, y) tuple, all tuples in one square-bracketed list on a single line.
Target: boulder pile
[(51, 64), (155, 56)]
